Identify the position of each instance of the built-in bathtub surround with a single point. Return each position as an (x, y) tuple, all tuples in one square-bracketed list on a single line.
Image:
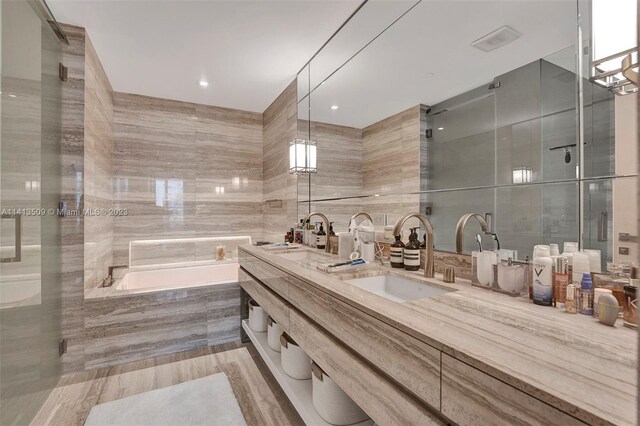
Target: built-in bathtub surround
[(128, 325), (178, 295), (98, 166), (183, 170), (279, 127)]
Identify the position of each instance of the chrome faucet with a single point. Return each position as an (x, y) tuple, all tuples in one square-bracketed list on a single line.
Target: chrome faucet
[(327, 247), (355, 216), (460, 229), (397, 230)]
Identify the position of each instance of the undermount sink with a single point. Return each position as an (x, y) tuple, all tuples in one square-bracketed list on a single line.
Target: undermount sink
[(397, 288)]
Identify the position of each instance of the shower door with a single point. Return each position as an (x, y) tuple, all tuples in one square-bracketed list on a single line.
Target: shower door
[(30, 188)]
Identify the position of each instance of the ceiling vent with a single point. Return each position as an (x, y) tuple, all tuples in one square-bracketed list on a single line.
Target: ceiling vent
[(495, 39)]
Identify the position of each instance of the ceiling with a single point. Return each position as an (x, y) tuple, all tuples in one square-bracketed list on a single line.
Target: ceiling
[(426, 56), (248, 51)]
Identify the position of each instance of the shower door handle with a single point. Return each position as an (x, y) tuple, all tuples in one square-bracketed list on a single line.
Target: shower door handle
[(18, 238)]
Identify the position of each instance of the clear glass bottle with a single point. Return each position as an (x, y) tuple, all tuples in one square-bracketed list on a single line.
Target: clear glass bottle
[(570, 303)]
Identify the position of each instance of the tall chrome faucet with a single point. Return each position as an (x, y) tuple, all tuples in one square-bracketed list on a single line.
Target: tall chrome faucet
[(355, 216), (460, 229), (327, 246), (397, 230)]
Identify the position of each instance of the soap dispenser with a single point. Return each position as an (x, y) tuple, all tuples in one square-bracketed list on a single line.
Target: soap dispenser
[(412, 252), (322, 238), (396, 249)]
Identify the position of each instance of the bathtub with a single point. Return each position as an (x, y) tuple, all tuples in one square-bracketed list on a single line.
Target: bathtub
[(160, 311), (175, 278)]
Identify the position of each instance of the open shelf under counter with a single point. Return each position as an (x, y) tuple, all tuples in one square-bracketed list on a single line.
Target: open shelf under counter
[(298, 391)]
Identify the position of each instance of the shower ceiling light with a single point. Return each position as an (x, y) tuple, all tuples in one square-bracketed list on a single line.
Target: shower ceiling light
[(302, 156), (495, 39), (334, 106), (203, 83), (522, 175)]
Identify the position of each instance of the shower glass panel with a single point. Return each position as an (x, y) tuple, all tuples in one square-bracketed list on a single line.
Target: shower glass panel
[(463, 140), (30, 188)]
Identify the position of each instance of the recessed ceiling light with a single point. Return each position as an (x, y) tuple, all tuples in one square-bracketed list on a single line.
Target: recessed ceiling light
[(440, 128), (334, 106), (203, 83), (376, 195), (12, 96)]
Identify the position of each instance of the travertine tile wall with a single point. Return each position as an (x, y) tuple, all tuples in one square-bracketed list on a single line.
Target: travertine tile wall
[(73, 92), (339, 173), (184, 170), (98, 167), (279, 127), (391, 164), (385, 158), (391, 160)]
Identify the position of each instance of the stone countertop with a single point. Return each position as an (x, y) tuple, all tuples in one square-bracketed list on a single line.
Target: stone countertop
[(571, 362)]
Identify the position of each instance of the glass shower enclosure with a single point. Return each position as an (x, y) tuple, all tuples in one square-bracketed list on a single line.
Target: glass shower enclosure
[(30, 189)]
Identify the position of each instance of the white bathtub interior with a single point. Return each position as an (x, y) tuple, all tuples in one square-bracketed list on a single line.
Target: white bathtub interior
[(170, 278)]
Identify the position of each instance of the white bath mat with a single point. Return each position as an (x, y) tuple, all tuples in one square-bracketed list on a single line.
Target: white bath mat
[(206, 401)]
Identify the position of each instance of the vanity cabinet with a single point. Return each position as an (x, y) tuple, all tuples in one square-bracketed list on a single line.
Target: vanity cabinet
[(275, 306), (471, 397), (395, 378), (384, 401), (412, 363)]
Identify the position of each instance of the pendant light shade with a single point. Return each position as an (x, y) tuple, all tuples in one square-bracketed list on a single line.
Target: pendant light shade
[(302, 156)]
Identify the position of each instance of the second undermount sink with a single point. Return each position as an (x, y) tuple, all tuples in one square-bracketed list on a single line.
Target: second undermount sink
[(396, 288)]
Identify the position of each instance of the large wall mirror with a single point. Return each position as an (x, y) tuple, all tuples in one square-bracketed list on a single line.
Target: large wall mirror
[(450, 107)]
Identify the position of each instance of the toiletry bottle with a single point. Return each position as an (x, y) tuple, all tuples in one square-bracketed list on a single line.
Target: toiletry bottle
[(412, 252), (542, 281), (397, 257), (298, 232), (560, 281), (528, 278), (322, 238), (331, 233), (571, 300), (586, 295)]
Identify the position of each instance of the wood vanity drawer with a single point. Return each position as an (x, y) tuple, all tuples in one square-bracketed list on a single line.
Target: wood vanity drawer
[(381, 399), (412, 363), (271, 276), (471, 397), (275, 306)]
